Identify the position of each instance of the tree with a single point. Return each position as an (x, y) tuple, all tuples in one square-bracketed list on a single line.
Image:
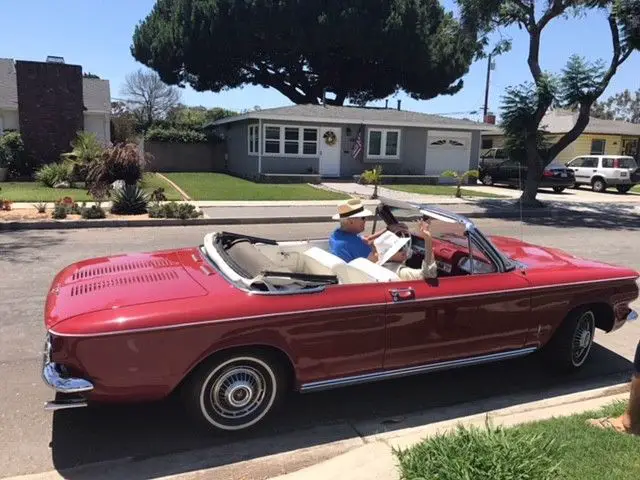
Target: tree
[(124, 124), (578, 86), (359, 50), (623, 106), (149, 97)]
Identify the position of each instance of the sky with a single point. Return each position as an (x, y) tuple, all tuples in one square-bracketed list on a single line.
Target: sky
[(97, 35)]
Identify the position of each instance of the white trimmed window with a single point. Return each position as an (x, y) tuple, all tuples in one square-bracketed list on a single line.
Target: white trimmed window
[(290, 141), (383, 143), (253, 139)]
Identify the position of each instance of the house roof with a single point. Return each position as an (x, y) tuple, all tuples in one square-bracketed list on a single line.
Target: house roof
[(356, 115), (561, 121), (8, 86), (96, 93)]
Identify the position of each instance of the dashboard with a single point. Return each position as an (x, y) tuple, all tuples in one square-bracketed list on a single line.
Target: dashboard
[(451, 259)]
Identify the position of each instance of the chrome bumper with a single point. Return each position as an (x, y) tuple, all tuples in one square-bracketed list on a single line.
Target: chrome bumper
[(54, 376)]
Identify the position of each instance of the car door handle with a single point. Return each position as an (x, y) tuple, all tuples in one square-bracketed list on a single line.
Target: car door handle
[(402, 294)]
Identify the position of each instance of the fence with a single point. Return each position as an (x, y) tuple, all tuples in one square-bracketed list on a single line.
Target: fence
[(185, 157)]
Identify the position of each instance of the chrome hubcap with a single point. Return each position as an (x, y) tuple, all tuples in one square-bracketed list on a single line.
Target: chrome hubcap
[(582, 338), (238, 392)]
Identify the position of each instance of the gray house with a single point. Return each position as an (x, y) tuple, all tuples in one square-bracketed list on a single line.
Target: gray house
[(333, 141)]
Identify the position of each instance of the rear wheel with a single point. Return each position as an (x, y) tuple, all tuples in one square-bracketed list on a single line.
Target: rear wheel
[(558, 189), (487, 179), (571, 344), (235, 392), (623, 188), (598, 185)]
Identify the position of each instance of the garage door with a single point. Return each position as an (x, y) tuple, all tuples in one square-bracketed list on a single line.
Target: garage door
[(447, 151)]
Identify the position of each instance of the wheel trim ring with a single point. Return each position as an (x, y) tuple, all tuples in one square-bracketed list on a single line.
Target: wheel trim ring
[(583, 332), (269, 401)]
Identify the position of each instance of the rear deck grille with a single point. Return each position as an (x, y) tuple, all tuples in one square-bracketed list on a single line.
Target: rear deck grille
[(90, 272), (152, 277)]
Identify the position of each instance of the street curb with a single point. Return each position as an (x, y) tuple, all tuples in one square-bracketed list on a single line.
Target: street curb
[(512, 415), (175, 222)]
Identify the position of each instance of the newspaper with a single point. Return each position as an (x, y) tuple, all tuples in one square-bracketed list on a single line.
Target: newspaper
[(387, 245)]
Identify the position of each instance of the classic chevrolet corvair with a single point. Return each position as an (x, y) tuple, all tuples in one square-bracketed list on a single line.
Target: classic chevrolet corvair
[(234, 324)]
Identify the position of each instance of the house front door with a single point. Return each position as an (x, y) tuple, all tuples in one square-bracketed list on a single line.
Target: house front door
[(330, 148)]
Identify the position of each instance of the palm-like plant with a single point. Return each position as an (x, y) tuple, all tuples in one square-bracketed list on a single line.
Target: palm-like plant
[(372, 177), (460, 178), (86, 149)]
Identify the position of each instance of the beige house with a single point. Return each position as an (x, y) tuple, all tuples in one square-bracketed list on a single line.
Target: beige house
[(600, 137), (96, 98)]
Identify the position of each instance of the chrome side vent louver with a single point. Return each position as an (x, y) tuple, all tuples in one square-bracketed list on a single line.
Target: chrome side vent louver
[(152, 277), (90, 272)]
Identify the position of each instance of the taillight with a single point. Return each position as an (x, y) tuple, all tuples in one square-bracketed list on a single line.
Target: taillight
[(547, 173), (616, 163)]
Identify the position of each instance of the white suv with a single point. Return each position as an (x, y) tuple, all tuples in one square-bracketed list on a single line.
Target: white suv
[(604, 171)]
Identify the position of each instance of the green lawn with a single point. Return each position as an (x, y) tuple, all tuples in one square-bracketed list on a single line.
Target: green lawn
[(440, 190), (581, 452), (636, 189), (36, 192), (218, 186)]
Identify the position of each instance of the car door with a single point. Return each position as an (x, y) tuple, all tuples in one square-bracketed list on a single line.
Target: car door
[(588, 169), (457, 317)]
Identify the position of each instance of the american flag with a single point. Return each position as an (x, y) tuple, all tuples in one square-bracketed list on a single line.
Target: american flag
[(358, 144)]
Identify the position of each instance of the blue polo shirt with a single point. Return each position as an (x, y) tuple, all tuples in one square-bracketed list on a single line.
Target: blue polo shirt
[(348, 246)]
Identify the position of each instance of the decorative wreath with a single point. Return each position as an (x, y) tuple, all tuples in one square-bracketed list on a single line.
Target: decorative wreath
[(330, 138)]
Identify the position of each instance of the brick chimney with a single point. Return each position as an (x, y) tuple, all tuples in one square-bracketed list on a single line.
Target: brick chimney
[(51, 107), (490, 118)]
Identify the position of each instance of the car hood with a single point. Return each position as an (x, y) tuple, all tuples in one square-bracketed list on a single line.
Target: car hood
[(111, 283), (537, 257)]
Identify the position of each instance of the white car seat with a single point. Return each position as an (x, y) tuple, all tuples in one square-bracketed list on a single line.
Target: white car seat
[(320, 262), (362, 270)]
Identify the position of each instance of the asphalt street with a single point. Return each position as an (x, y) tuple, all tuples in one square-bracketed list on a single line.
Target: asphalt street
[(32, 440)]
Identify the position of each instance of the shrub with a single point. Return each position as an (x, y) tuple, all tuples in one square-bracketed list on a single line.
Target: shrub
[(6, 156), (483, 454), (41, 207), (59, 211), (158, 195), (123, 161), (18, 163), (175, 135), (52, 173), (130, 200), (94, 211), (5, 204), (174, 210), (86, 149)]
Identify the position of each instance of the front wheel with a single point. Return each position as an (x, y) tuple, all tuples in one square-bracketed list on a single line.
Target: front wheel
[(558, 189), (235, 392), (487, 180), (598, 185), (623, 188), (571, 344)]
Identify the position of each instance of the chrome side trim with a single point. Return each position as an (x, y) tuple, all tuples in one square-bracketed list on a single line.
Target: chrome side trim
[(404, 372), (346, 307)]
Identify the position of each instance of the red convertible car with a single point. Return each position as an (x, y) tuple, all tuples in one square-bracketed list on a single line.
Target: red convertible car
[(234, 324)]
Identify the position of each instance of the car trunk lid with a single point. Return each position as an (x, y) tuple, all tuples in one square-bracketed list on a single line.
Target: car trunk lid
[(110, 283)]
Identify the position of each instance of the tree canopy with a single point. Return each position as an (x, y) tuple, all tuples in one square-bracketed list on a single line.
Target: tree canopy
[(361, 50), (578, 86), (623, 106)]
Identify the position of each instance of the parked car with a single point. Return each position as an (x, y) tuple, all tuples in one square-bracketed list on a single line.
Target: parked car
[(496, 168), (604, 171), (235, 323)]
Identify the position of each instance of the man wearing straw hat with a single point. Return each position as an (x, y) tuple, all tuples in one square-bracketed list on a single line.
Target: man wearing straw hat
[(345, 242)]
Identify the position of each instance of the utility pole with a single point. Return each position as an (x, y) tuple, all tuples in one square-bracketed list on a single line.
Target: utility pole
[(486, 91)]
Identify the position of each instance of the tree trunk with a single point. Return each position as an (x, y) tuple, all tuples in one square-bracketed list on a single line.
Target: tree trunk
[(534, 172)]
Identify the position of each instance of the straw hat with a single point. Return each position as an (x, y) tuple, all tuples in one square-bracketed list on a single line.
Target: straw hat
[(350, 209)]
